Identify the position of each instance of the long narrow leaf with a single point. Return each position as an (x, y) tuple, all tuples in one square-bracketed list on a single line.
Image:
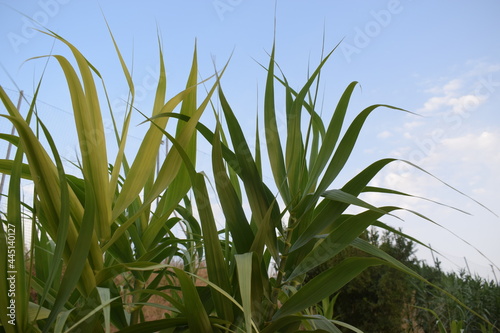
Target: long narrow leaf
[(78, 258), (121, 142), (244, 264), (273, 142), (255, 190), (232, 208), (44, 174), (198, 318), (216, 266), (64, 217), (329, 211), (6, 167), (181, 184), (89, 124), (325, 284), (339, 239), (343, 152), (331, 136)]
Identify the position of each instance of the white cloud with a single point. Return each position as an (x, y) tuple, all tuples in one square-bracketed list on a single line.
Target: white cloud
[(478, 160), (412, 124), (407, 135), (481, 67), (435, 103), (449, 86), (463, 92), (452, 86), (484, 140), (469, 162), (454, 101), (459, 147), (384, 135), (463, 104)]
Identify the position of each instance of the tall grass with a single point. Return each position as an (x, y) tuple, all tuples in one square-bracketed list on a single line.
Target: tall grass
[(93, 227), (437, 313), (101, 223)]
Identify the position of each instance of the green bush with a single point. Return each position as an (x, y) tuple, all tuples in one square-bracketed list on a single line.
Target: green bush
[(379, 299), (480, 296), (382, 299)]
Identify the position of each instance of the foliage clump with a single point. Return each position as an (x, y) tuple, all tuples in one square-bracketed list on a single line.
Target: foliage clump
[(480, 295), (117, 217), (382, 299)]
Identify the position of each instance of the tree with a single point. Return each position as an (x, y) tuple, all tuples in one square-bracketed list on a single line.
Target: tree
[(379, 299)]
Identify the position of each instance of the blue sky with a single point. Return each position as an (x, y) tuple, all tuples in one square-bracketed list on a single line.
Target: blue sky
[(438, 59)]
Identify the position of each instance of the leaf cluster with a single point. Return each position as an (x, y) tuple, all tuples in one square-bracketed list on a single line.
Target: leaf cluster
[(104, 240)]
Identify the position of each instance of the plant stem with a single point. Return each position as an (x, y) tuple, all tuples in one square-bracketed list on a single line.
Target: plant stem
[(135, 316), (281, 268)]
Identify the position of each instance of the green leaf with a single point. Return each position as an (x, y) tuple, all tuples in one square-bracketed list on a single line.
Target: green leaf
[(375, 189), (173, 161), (105, 297), (12, 139), (295, 154), (194, 310), (342, 154), (62, 317), (328, 211), (64, 217), (244, 265), (439, 323), (236, 220), (145, 160), (325, 284), (114, 270), (255, 189), (78, 257), (181, 184), (92, 313), (88, 121), (120, 156), (37, 312), (338, 239), (341, 196), (216, 266), (7, 165), (274, 150), (266, 228), (331, 137), (350, 327), (322, 324)]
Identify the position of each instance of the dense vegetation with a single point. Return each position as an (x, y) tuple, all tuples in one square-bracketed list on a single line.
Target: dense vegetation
[(386, 300), (103, 240), (480, 295)]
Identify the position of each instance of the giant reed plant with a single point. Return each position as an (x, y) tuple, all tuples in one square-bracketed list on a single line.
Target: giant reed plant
[(116, 218), (103, 222)]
